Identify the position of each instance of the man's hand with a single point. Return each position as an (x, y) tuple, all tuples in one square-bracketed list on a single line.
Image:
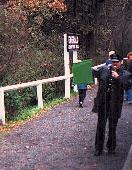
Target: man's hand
[(115, 74)]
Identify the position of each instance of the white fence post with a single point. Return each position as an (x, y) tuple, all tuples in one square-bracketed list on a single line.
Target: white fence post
[(75, 61), (39, 95), (2, 107), (67, 69)]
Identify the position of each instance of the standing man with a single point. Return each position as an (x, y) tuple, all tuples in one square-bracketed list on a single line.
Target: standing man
[(110, 93), (128, 91), (108, 63)]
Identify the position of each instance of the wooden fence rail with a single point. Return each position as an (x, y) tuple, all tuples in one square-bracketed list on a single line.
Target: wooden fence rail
[(38, 84)]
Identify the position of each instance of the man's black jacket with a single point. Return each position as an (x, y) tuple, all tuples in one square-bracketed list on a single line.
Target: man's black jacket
[(111, 90)]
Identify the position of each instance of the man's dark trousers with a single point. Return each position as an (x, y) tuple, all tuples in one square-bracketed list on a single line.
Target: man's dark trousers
[(100, 133)]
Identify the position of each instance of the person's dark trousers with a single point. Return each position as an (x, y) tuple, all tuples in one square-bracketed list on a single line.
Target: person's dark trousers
[(100, 132), (82, 95), (111, 143)]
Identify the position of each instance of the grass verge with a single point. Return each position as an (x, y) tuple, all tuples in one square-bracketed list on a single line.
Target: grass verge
[(30, 113)]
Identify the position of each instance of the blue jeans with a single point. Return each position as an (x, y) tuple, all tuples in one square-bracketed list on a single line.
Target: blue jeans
[(128, 94)]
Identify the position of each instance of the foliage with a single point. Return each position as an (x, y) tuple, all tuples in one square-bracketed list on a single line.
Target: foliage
[(27, 54), (53, 90), (21, 24), (31, 39), (113, 27), (26, 114), (15, 101)]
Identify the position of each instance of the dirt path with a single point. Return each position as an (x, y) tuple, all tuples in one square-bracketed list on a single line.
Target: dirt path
[(63, 139)]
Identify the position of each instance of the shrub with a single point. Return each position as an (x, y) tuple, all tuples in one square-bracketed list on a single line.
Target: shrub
[(16, 100)]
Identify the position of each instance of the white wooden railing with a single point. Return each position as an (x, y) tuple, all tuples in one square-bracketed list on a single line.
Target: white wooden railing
[(38, 84)]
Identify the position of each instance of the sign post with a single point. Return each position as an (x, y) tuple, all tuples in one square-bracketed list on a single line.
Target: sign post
[(75, 61), (67, 68), (71, 43)]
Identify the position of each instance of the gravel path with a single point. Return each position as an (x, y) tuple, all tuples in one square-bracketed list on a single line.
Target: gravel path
[(63, 139)]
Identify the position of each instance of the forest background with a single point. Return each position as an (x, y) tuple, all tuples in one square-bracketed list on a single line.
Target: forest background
[(31, 40)]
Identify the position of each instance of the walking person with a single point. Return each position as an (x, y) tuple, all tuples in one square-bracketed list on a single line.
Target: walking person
[(81, 84), (112, 81), (82, 88)]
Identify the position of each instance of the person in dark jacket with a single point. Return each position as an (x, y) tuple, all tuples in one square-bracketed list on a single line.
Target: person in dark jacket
[(128, 91), (95, 71), (112, 81), (82, 88)]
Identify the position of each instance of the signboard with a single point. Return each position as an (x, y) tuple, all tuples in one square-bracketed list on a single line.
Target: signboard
[(72, 42), (82, 72)]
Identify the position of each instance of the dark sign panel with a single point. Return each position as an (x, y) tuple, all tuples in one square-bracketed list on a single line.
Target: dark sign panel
[(72, 42)]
